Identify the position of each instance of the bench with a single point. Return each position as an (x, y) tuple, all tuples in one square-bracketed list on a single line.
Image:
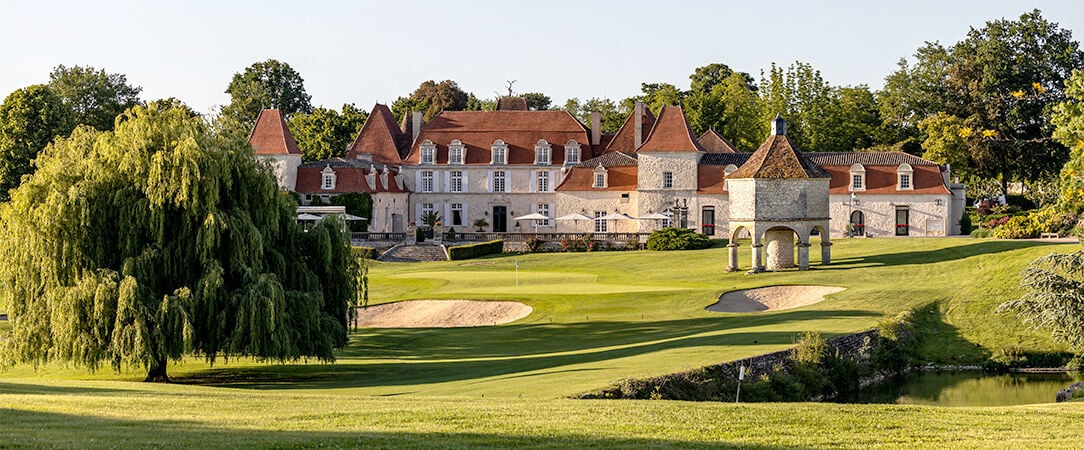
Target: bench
[(1049, 236)]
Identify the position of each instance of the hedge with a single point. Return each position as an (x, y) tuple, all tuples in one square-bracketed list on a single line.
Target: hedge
[(677, 239), (460, 252), (364, 252)]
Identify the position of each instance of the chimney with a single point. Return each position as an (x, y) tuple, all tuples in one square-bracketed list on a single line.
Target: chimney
[(779, 126), (416, 126), (638, 111), (596, 127)]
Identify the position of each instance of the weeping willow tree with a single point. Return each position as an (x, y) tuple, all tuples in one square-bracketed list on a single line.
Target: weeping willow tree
[(1055, 297), (162, 239)]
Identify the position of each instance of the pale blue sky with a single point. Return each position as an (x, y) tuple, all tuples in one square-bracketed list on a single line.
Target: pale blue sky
[(363, 52)]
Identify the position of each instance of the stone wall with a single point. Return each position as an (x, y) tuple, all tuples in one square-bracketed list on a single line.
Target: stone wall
[(926, 217), (284, 168)]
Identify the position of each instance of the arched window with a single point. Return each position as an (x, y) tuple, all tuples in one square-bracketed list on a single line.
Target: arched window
[(328, 178), (542, 151), (456, 152), (429, 152), (729, 169), (572, 152), (858, 178), (499, 152), (905, 177), (600, 178)]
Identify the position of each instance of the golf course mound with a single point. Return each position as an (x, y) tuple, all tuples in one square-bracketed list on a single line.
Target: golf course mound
[(440, 314), (771, 298)]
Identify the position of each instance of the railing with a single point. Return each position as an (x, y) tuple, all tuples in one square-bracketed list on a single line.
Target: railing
[(375, 236), (548, 237)]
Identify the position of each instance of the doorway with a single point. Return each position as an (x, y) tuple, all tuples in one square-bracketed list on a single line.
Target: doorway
[(903, 222), (858, 223), (500, 219)]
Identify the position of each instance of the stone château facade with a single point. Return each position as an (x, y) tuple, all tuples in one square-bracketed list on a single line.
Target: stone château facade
[(492, 166)]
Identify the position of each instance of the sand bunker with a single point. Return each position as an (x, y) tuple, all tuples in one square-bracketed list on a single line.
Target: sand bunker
[(772, 298), (440, 314)]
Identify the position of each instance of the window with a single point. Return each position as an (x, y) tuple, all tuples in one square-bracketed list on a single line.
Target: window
[(427, 181), (903, 177), (600, 177), (668, 180), (499, 152), (858, 178), (542, 181), (427, 208), (456, 181), (499, 183), (455, 152), (429, 152), (707, 220), (729, 169), (328, 179), (572, 152), (543, 209), (600, 223), (542, 153), (457, 214)]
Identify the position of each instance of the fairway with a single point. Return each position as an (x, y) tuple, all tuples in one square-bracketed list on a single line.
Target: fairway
[(597, 318)]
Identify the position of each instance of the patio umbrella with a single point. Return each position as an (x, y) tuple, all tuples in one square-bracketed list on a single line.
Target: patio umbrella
[(574, 217), (307, 216), (616, 216), (654, 216), (352, 217), (533, 216)]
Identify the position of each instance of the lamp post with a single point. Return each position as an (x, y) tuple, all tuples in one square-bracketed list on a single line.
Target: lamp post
[(850, 210)]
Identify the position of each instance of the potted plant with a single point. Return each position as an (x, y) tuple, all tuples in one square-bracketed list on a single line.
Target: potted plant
[(431, 220), (480, 225)]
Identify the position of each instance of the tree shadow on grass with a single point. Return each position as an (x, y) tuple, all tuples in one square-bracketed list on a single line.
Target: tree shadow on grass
[(38, 389), (543, 360), (55, 430), (935, 256), (940, 342)]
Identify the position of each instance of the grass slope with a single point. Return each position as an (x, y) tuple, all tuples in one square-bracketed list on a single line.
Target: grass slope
[(598, 318)]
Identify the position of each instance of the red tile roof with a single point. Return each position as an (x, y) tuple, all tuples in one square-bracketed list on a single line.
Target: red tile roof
[(926, 179), (713, 142), (271, 136), (349, 177), (520, 130), (671, 133), (625, 139), (711, 180), (777, 158), (618, 178), (380, 137)]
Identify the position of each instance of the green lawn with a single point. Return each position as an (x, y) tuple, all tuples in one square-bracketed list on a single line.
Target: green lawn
[(598, 318)]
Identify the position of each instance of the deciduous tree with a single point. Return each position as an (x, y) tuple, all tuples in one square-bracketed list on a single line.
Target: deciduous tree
[(30, 118), (431, 98), (136, 247), (325, 133), (266, 85), (95, 97)]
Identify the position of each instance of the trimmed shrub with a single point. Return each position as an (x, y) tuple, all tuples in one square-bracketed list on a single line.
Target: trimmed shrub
[(534, 245), (965, 224), (419, 235), (677, 239), (460, 252)]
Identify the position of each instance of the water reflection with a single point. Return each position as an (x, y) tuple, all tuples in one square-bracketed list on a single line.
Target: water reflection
[(970, 389)]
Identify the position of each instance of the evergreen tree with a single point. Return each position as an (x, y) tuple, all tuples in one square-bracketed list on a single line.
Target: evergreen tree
[(161, 239)]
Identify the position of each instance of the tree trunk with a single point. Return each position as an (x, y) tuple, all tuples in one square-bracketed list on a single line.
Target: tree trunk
[(157, 373)]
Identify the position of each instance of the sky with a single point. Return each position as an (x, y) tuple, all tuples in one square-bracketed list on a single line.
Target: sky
[(364, 52)]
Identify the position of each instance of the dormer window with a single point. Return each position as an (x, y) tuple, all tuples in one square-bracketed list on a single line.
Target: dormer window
[(572, 152), (600, 178), (858, 178), (429, 152), (456, 152), (542, 153), (729, 169), (499, 152), (328, 176), (904, 179)]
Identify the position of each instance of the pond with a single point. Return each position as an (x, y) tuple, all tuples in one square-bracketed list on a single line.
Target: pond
[(970, 389)]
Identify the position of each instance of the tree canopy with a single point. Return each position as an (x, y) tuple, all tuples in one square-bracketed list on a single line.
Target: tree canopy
[(431, 98), (265, 85), (1069, 121), (95, 97), (160, 239), (30, 118), (325, 133)]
